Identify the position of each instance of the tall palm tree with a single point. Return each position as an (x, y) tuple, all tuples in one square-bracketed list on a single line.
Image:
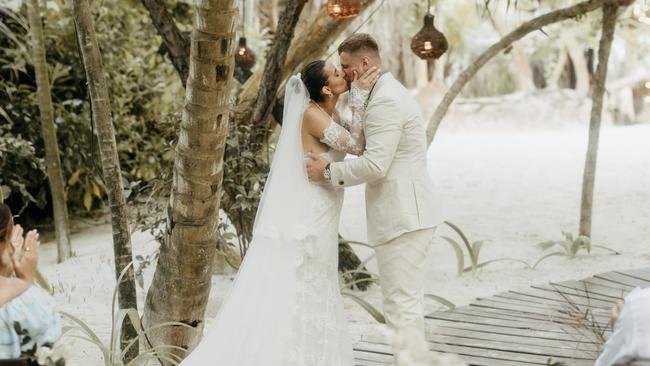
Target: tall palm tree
[(182, 280), (100, 104), (48, 131)]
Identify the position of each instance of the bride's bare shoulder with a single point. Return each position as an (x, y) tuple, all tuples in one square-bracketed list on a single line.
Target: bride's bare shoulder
[(314, 121)]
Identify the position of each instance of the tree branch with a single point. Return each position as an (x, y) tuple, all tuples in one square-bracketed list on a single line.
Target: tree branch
[(173, 39), (589, 174), (271, 77), (515, 35)]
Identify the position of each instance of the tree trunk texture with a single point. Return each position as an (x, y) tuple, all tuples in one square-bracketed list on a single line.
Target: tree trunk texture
[(521, 31), (48, 132), (100, 103), (562, 58), (271, 76), (313, 35), (577, 55), (522, 71), (589, 177), (182, 280), (173, 39)]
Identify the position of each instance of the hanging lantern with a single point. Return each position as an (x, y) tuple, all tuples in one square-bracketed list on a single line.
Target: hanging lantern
[(244, 55), (343, 9), (429, 43)]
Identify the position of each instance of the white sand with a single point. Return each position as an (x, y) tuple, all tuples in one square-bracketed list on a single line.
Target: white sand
[(515, 189)]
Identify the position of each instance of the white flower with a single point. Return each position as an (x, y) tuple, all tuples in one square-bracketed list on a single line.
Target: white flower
[(43, 355)]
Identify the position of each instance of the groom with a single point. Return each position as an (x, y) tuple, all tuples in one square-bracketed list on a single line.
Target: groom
[(401, 207)]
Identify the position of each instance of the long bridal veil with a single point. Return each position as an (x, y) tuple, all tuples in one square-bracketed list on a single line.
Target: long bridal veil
[(256, 320)]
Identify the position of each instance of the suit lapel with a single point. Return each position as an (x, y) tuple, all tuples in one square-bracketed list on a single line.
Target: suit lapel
[(382, 78)]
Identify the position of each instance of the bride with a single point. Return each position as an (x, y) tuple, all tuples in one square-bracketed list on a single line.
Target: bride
[(285, 308)]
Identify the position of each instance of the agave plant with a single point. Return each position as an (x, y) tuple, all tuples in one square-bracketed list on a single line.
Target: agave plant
[(569, 247), (113, 355), (473, 251)]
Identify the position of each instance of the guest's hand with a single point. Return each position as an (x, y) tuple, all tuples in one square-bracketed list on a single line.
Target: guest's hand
[(25, 256), (367, 80), (616, 312), (315, 167)]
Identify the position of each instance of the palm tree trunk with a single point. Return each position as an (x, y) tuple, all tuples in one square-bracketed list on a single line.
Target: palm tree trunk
[(313, 36), (100, 104), (589, 177), (48, 131), (182, 280), (521, 31)]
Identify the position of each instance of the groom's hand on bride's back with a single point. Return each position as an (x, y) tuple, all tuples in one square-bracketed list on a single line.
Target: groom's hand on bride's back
[(316, 165)]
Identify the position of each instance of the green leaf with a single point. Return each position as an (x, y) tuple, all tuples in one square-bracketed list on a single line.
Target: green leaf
[(462, 236), (606, 248), (481, 265), (96, 190), (460, 258), (88, 200), (379, 317), (546, 245), (476, 249), (74, 179), (548, 256), (365, 262), (441, 300)]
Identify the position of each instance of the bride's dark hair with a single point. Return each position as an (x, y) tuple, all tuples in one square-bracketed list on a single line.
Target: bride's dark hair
[(315, 78)]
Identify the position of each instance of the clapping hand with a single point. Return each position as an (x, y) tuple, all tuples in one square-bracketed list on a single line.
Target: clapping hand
[(367, 80), (25, 253)]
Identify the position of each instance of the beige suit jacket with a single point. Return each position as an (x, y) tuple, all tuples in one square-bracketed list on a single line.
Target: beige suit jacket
[(399, 192)]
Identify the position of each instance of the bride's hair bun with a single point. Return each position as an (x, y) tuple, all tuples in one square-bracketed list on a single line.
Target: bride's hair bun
[(314, 77)]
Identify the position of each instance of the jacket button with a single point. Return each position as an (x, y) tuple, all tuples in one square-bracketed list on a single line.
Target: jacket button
[(341, 182)]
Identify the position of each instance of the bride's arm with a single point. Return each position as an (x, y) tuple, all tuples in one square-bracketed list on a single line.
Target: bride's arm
[(356, 141), (334, 135)]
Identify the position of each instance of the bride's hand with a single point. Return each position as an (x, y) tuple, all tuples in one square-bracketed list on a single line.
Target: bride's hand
[(367, 80)]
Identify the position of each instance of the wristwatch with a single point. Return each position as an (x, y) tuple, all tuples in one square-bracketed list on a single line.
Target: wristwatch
[(327, 174)]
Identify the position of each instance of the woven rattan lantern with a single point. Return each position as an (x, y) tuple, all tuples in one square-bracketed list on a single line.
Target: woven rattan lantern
[(429, 43), (244, 55), (342, 9)]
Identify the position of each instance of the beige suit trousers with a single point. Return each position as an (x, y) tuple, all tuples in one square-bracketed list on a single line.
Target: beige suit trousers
[(401, 264)]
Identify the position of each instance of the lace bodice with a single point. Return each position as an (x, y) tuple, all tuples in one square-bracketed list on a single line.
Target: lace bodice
[(348, 135)]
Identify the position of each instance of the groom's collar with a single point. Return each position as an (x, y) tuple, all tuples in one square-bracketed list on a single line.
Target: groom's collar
[(381, 76)]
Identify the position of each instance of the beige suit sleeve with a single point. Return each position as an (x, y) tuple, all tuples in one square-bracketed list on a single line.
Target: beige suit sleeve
[(383, 130)]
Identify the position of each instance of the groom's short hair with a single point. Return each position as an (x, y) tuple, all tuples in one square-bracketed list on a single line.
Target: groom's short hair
[(359, 42)]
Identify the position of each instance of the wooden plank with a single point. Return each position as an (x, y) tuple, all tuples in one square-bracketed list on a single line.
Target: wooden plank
[(623, 279), (521, 333), (541, 347), (523, 327), (563, 299), (635, 274), (506, 322), (557, 305), (642, 272), (614, 285), (576, 291), (467, 353), (602, 291), (529, 340), (555, 313)]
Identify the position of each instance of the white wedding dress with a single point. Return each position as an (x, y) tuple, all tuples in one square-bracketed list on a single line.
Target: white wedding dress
[(285, 307)]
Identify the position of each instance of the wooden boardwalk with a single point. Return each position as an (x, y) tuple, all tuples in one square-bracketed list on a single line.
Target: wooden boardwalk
[(561, 322)]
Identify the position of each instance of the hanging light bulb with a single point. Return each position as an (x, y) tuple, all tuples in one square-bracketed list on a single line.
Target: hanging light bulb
[(342, 9), (244, 55), (429, 43)]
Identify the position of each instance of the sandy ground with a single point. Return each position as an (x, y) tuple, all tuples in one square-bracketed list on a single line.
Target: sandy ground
[(514, 187)]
